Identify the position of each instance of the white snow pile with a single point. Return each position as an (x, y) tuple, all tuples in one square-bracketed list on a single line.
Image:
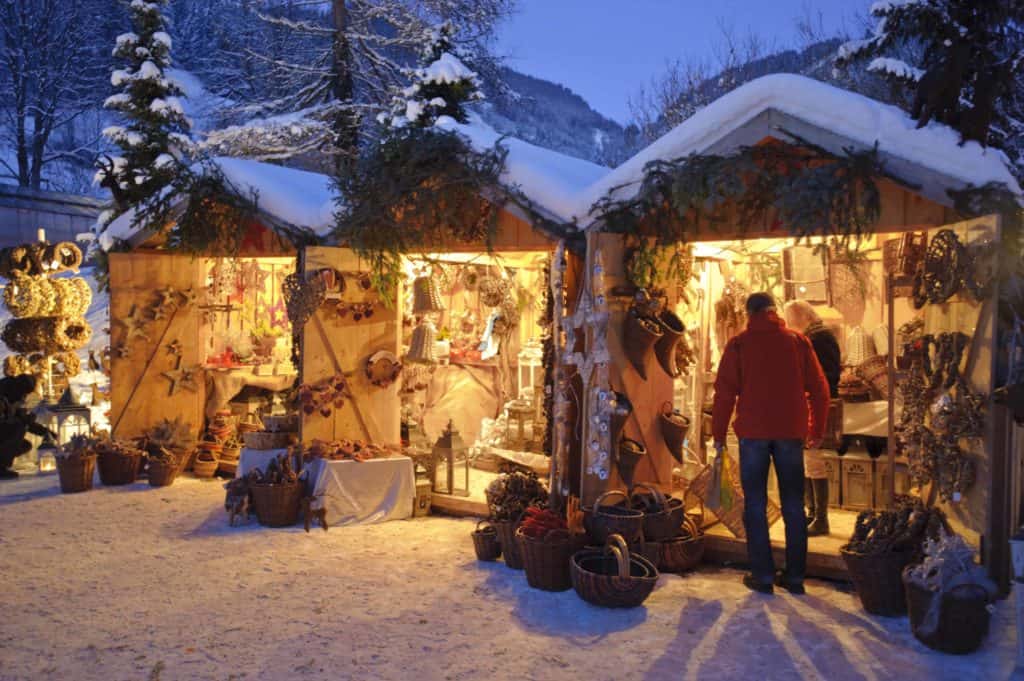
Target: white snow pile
[(299, 198), (552, 181), (896, 67), (446, 69), (858, 118)]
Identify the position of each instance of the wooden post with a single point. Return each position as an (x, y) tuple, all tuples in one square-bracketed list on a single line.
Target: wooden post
[(891, 444)]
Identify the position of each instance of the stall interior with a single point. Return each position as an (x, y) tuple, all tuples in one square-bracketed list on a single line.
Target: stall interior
[(849, 290), (473, 370)]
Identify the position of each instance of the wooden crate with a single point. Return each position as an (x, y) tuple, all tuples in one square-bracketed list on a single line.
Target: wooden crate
[(858, 484), (833, 464), (882, 480)]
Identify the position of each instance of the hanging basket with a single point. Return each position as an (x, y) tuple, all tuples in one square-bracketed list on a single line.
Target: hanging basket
[(606, 520), (963, 619), (878, 579), (276, 505), (485, 542), (875, 372), (546, 560), (509, 546), (674, 429), (665, 347), (120, 467), (629, 454), (76, 473), (639, 334), (620, 413), (611, 577)]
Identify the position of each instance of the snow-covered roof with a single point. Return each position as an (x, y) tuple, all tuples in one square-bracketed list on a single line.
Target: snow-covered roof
[(845, 117), (295, 197), (549, 179)]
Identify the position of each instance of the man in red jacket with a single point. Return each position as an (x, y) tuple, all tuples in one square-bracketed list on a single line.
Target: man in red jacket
[(770, 374)]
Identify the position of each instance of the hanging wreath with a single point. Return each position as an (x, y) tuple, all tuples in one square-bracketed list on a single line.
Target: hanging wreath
[(48, 335), (493, 291), (382, 368)]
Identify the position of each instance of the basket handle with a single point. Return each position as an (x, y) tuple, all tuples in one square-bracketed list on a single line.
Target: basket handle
[(611, 492), (659, 497), (618, 548), (487, 523), (689, 525)]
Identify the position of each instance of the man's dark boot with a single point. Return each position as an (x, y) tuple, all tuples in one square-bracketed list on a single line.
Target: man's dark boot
[(820, 525), (809, 499)]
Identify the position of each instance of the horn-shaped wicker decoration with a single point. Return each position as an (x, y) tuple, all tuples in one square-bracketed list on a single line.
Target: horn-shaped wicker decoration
[(426, 298), (421, 346), (639, 334), (629, 454), (674, 427), (665, 348)]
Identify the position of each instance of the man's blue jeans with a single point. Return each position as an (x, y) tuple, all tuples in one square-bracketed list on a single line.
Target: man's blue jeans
[(755, 458)]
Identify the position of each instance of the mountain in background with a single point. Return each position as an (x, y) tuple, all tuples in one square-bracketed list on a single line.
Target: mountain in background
[(553, 116)]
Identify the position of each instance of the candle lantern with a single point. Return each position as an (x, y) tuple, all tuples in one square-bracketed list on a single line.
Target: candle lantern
[(67, 418), (47, 453), (451, 450)]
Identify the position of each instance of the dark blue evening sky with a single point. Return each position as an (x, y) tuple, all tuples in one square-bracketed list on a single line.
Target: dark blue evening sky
[(605, 50)]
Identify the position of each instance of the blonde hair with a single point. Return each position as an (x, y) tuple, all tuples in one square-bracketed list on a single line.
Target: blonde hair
[(805, 309)]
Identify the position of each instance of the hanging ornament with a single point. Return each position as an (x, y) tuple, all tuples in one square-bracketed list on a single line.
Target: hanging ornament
[(382, 368)]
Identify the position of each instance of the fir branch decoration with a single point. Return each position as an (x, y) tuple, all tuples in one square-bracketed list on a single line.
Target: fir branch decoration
[(809, 191), (420, 189)]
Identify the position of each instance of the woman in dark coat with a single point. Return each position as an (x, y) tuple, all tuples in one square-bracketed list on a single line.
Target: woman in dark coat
[(801, 316)]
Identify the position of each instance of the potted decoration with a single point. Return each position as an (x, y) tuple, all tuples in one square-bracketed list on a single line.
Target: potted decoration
[(76, 463), (948, 596), (118, 462), (508, 497), (174, 436), (882, 545), (546, 547), (162, 467)]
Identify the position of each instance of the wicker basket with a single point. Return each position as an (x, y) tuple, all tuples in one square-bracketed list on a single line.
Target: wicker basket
[(878, 579), (546, 560), (638, 338), (875, 372), (162, 474), (963, 622), (606, 520), (681, 553), (119, 468), (506, 530), (662, 518), (485, 541), (611, 577), (205, 465), (277, 505), (76, 473), (228, 460)]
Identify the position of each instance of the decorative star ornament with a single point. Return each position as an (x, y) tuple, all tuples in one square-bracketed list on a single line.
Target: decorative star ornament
[(167, 297), (253, 277), (188, 297), (135, 324), (174, 348), (182, 377)]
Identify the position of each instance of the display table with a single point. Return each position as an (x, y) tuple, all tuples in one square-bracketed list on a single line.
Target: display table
[(353, 492), (371, 491)]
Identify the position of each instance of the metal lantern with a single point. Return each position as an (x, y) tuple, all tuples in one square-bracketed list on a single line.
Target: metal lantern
[(450, 449), (421, 346), (426, 298), (67, 418), (47, 453)]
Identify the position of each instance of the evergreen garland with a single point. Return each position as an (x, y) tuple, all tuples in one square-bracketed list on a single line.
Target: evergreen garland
[(420, 189), (807, 190)]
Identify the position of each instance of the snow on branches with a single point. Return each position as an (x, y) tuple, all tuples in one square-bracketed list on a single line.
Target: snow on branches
[(155, 134), (441, 87)]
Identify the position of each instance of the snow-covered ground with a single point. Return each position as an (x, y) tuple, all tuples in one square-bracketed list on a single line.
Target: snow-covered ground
[(141, 583)]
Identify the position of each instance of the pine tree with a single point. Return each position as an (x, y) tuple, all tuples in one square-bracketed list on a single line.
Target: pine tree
[(969, 58), (155, 141), (441, 87)]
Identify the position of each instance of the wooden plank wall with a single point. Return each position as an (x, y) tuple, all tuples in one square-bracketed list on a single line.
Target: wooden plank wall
[(329, 344), (139, 395)]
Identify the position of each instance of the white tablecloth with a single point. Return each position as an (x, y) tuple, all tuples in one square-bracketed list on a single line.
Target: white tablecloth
[(353, 492), (368, 492)]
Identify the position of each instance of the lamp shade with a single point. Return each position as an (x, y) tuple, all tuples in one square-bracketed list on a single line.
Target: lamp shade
[(426, 298), (421, 347)]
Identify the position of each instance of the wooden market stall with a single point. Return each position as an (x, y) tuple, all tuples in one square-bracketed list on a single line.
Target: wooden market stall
[(733, 256)]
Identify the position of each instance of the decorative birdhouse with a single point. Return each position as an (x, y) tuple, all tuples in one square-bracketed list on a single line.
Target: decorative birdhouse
[(453, 453), (67, 417)]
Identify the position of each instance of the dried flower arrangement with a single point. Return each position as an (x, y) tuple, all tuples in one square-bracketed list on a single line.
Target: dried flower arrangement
[(78, 447), (510, 494), (167, 434), (904, 528), (538, 522)]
